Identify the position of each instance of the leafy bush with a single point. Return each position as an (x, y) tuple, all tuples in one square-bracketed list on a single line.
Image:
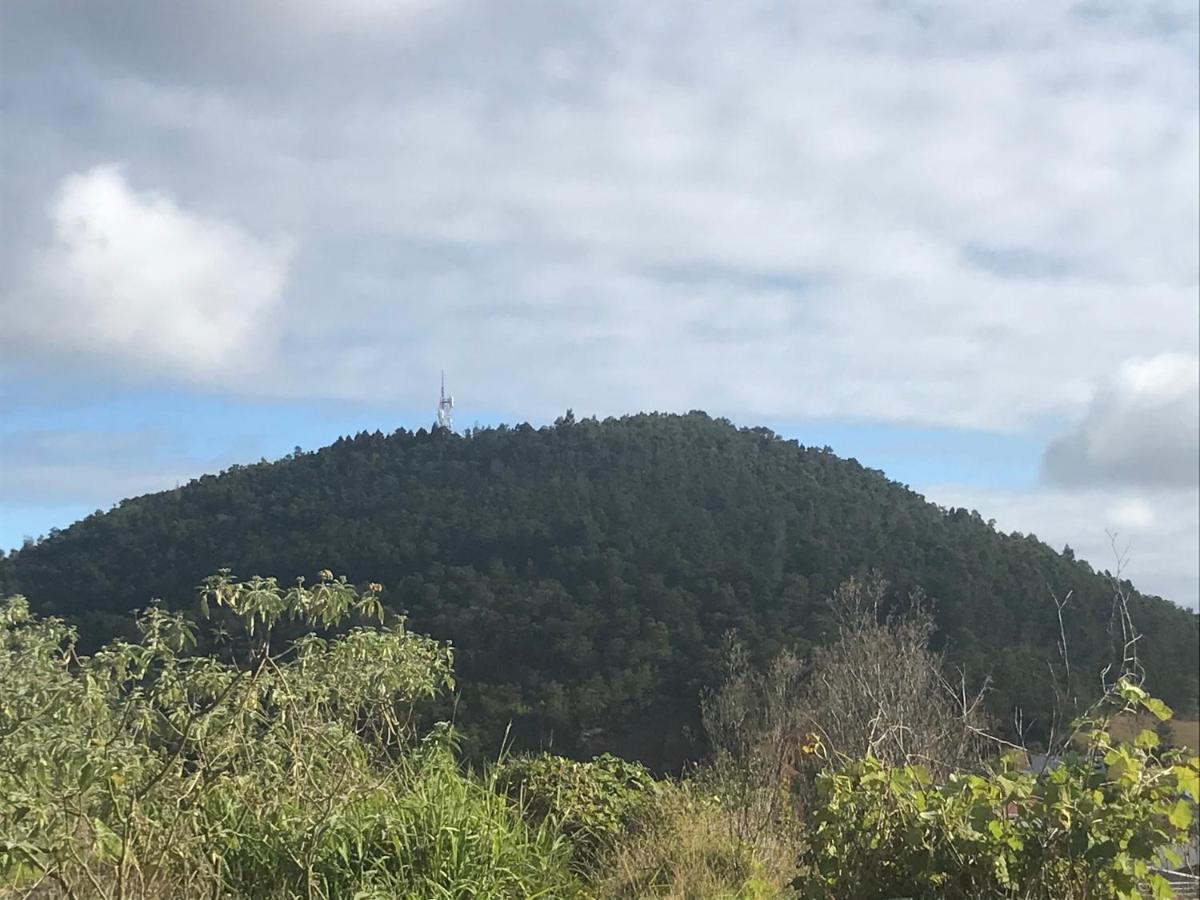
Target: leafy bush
[(594, 803), (287, 772), (1092, 826), (290, 765)]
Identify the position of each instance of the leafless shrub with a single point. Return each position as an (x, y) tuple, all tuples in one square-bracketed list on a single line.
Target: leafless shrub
[(1120, 620), (753, 723), (879, 689)]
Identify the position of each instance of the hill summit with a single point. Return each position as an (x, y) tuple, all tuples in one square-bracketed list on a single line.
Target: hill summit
[(588, 572)]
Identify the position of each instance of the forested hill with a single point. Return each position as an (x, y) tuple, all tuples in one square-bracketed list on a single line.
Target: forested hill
[(587, 572)]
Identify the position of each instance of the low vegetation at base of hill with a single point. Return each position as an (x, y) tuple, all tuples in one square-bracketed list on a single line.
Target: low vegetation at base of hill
[(295, 758), (587, 572)]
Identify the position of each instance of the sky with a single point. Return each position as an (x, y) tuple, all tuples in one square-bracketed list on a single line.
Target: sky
[(959, 242)]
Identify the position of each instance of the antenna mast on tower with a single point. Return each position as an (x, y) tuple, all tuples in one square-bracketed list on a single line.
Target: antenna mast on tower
[(445, 404)]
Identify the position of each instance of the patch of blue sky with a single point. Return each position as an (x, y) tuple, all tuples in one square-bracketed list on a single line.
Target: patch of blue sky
[(207, 425), (199, 433), (921, 457), (166, 431), (1018, 262), (19, 523)]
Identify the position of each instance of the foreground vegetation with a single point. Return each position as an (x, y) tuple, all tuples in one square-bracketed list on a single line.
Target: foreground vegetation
[(588, 572), (295, 758)]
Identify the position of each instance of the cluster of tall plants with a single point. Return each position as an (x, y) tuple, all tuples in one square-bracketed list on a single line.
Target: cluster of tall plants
[(1097, 824), (266, 769), (902, 792), (294, 758)]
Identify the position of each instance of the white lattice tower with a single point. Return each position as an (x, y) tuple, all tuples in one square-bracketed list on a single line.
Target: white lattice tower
[(445, 404)]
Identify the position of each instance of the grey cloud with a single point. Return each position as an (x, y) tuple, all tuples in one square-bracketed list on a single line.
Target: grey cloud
[(1142, 428), (308, 51)]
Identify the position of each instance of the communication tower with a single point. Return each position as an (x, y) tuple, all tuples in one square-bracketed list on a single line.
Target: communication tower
[(445, 404)]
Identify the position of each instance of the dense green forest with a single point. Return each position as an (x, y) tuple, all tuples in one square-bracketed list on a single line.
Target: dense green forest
[(588, 572)]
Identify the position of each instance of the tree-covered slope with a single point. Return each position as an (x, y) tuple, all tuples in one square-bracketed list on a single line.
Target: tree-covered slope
[(587, 572)]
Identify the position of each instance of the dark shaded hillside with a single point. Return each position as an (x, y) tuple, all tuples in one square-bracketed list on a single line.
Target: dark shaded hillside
[(588, 571)]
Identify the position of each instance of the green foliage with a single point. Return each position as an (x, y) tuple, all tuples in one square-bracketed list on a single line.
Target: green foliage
[(293, 772), (1090, 826), (296, 768), (594, 803), (441, 835), (589, 570)]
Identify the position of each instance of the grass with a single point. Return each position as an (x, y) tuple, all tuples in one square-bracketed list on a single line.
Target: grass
[(1185, 732), (690, 851)]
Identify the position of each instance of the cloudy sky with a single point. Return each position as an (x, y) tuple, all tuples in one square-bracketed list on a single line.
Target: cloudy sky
[(958, 241)]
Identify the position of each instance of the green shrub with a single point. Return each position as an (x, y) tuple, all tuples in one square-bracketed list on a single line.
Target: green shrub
[(296, 771), (593, 803), (1091, 827), (286, 771)]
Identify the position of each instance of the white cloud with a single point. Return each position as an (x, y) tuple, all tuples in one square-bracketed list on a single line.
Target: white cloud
[(929, 213), (1143, 427), (937, 214), (1132, 513), (134, 280)]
